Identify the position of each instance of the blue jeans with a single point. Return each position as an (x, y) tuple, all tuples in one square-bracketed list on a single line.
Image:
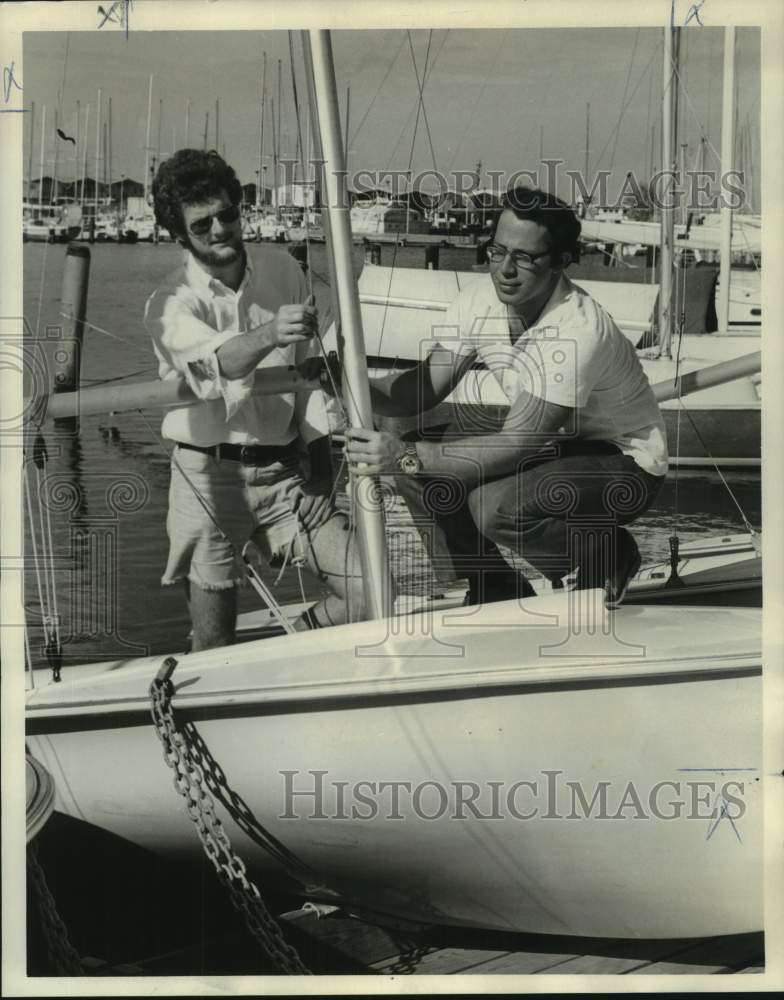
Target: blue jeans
[(565, 501)]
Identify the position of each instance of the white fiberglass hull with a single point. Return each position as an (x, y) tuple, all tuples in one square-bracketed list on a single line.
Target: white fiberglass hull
[(655, 711)]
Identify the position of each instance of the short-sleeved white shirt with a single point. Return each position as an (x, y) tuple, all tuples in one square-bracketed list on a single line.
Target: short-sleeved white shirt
[(575, 356), (192, 315)]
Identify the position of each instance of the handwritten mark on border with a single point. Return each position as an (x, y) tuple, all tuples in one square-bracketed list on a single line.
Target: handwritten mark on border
[(693, 14), (9, 82), (118, 13)]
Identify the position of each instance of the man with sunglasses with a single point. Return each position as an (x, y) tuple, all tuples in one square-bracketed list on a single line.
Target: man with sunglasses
[(236, 469), (582, 450)]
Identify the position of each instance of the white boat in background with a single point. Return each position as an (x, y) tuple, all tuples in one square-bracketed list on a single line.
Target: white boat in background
[(702, 236), (51, 223), (401, 310), (102, 227), (378, 216), (545, 752), (142, 229)]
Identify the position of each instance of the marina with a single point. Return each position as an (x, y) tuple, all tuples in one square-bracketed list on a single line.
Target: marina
[(567, 783)]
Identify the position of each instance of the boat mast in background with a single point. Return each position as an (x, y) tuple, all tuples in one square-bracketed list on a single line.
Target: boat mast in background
[(97, 149), (147, 145), (587, 142), (30, 153), (53, 185), (727, 143), (669, 115), (260, 171), (77, 147), (276, 144), (84, 154), (41, 166), (368, 501)]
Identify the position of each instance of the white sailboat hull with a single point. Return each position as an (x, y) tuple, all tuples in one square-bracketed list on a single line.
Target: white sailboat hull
[(487, 697)]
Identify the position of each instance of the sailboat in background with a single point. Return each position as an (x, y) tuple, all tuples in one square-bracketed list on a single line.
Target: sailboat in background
[(720, 426), (498, 696)]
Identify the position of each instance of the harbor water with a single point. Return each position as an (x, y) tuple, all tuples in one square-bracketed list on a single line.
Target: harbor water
[(105, 521)]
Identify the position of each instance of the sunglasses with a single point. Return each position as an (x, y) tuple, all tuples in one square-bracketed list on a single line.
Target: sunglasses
[(200, 227)]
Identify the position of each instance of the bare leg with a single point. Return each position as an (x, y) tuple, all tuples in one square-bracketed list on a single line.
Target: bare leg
[(213, 616), (333, 557)]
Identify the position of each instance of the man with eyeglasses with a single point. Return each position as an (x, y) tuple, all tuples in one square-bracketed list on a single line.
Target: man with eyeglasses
[(582, 449), (236, 469)]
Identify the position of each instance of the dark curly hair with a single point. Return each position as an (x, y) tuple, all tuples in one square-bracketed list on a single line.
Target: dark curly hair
[(552, 213), (190, 175)]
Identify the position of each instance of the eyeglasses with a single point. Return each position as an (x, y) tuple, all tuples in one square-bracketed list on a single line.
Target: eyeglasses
[(200, 227), (521, 258)]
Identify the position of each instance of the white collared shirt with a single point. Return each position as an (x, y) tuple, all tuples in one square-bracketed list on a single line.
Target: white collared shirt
[(575, 356), (192, 314)]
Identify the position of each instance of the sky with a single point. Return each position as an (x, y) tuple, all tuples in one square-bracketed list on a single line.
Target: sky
[(501, 97)]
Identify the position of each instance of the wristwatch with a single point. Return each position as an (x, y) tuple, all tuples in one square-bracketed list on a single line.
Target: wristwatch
[(410, 462)]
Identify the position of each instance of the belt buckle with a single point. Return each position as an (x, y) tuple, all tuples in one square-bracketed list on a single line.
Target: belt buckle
[(246, 455)]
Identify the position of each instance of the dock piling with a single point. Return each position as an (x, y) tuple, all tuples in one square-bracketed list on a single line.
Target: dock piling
[(73, 306)]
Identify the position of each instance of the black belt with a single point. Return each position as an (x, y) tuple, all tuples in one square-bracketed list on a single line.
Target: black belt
[(247, 454)]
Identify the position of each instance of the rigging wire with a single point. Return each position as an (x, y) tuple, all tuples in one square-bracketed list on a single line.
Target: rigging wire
[(623, 99), (492, 70), (421, 88), (121, 340), (364, 118), (421, 105), (716, 467), (621, 113), (415, 110)]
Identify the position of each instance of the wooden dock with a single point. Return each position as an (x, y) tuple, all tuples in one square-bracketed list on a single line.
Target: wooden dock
[(450, 951)]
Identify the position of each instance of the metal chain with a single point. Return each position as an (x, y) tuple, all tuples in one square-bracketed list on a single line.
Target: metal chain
[(230, 868), (62, 955)]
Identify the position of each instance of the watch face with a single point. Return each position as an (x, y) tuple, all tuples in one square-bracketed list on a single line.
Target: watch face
[(410, 464)]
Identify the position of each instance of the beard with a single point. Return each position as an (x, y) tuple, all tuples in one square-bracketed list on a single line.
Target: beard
[(215, 258)]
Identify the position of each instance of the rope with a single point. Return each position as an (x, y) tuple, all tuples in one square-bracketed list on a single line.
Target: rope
[(93, 382), (121, 340), (708, 452)]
